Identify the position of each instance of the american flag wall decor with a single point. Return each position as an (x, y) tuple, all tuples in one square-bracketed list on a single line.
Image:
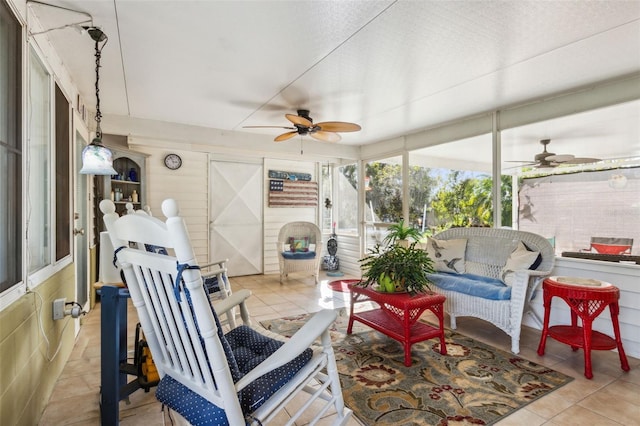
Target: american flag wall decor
[(293, 193)]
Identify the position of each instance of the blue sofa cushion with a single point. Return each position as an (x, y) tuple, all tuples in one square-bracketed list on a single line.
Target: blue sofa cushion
[(299, 255), (474, 285)]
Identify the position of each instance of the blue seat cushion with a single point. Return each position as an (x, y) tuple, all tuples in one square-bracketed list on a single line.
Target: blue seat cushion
[(197, 410), (474, 285), (155, 249), (249, 349), (211, 285), (299, 255)]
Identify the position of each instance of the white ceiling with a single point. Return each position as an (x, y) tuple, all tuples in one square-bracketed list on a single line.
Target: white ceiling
[(394, 67)]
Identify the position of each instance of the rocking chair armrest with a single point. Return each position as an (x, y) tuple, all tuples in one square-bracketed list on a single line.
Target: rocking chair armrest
[(222, 306), (221, 264), (213, 272), (301, 340)]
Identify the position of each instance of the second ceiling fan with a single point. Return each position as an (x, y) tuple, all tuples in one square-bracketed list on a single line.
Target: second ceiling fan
[(303, 125), (549, 159)]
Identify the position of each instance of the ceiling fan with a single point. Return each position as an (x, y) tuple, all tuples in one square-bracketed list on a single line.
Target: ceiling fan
[(304, 125), (549, 159)]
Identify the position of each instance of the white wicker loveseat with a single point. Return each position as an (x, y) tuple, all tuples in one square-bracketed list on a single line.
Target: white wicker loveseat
[(485, 255)]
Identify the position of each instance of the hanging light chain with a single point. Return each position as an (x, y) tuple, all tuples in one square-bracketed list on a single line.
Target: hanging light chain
[(98, 35), (98, 113)]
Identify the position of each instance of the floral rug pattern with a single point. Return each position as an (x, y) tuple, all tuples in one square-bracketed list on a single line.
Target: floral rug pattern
[(474, 384)]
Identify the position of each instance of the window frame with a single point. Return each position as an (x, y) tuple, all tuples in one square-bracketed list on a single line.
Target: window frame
[(14, 187), (338, 198), (29, 280), (37, 277)]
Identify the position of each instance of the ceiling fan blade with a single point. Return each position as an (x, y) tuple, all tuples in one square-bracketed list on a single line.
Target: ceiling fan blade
[(296, 119), (285, 136), (268, 127), (326, 136), (582, 160), (559, 158), (338, 126)]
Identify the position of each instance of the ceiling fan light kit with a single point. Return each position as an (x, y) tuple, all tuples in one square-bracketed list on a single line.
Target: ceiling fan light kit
[(303, 125)]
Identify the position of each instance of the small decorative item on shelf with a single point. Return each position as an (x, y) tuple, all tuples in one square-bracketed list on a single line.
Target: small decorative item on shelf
[(134, 196), (133, 175)]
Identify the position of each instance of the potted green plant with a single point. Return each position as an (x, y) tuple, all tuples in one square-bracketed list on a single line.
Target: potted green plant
[(399, 233), (397, 268)]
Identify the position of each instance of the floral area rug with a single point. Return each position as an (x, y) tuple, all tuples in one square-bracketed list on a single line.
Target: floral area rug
[(474, 384)]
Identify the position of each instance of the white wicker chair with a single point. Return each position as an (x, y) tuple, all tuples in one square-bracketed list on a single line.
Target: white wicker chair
[(486, 253), (290, 261), (210, 378)]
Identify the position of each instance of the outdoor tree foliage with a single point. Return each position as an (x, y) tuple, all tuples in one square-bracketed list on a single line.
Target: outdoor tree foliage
[(466, 201), (452, 198), (384, 190)]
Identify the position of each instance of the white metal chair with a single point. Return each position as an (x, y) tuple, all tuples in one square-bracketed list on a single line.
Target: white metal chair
[(211, 378), (299, 249)]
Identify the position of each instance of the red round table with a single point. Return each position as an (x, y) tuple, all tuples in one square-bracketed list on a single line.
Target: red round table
[(587, 299)]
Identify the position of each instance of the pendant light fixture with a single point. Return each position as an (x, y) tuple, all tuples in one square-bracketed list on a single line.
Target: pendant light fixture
[(97, 159)]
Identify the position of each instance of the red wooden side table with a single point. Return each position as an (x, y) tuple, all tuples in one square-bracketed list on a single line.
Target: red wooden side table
[(397, 316), (586, 302)]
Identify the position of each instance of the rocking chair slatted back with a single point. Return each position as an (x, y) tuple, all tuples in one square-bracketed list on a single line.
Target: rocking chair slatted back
[(180, 348)]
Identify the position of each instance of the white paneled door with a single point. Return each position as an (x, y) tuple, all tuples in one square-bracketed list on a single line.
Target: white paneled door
[(236, 216)]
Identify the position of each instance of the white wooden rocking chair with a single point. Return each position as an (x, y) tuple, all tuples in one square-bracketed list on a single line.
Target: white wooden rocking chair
[(211, 378)]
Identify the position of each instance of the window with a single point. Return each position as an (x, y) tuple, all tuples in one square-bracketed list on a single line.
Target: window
[(447, 192), (383, 190), (571, 207), (383, 198), (10, 149), (327, 198), (63, 183), (345, 206), (39, 167)]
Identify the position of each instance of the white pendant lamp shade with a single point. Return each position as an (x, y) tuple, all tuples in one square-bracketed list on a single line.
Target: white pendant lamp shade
[(97, 159)]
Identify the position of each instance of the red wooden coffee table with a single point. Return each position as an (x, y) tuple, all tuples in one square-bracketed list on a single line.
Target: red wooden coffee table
[(397, 316)]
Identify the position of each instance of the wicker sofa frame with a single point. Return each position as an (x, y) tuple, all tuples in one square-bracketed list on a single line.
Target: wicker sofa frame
[(486, 253)]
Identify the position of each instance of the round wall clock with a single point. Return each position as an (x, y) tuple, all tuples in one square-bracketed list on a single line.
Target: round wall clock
[(173, 161)]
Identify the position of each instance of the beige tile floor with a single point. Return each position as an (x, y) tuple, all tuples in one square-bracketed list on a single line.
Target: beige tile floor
[(612, 397)]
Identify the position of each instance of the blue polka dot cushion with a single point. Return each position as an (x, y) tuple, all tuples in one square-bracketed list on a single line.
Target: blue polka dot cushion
[(155, 249), (249, 348), (211, 285), (194, 408)]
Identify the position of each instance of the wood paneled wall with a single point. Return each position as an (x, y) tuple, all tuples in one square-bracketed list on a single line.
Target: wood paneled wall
[(276, 217), (189, 186)]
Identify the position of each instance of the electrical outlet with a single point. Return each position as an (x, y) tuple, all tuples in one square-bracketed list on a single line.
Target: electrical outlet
[(58, 308)]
